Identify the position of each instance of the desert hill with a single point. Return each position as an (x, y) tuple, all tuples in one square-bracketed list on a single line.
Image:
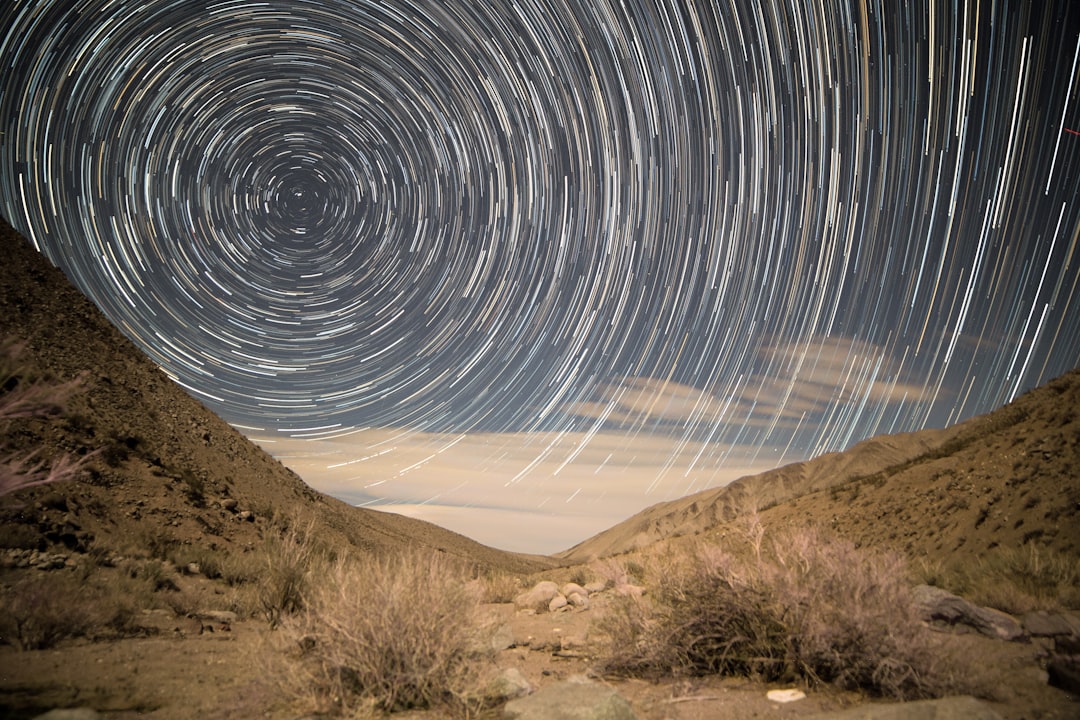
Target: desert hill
[(1005, 479), (167, 471)]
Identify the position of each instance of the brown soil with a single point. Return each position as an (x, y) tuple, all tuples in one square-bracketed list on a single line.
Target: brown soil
[(188, 672)]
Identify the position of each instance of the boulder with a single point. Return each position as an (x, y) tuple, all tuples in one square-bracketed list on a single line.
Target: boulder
[(503, 638), (538, 597), (596, 586), (571, 700), (941, 608), (507, 685), (578, 600), (570, 588), (557, 603), (1043, 624)]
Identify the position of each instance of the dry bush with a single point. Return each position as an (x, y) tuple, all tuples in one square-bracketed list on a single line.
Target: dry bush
[(499, 587), (292, 557), (797, 607), (45, 608), (388, 633), (26, 393)]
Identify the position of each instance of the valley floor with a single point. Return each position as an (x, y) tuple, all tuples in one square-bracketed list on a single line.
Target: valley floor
[(186, 672)]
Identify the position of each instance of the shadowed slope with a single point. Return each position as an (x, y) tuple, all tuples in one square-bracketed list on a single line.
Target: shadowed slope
[(167, 470)]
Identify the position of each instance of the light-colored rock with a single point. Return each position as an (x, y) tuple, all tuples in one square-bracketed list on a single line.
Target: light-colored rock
[(596, 586), (570, 588), (571, 701), (503, 638), (786, 695), (941, 607), (952, 708), (538, 597), (578, 600), (70, 714), (557, 603), (509, 684)]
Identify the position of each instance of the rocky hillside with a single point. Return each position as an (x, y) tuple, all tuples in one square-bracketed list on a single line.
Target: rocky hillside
[(1005, 479), (166, 469)]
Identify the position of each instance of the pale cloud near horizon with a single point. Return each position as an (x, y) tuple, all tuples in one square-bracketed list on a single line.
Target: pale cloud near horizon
[(542, 492), (535, 493)]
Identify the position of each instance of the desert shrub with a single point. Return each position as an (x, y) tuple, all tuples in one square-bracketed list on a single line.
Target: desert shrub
[(797, 607), (291, 556), (45, 608), (499, 587), (388, 633)]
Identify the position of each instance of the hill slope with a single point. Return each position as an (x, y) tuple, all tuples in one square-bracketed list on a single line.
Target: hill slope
[(167, 469), (1007, 478)]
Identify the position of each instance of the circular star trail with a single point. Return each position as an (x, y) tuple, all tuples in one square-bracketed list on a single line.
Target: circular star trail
[(782, 226)]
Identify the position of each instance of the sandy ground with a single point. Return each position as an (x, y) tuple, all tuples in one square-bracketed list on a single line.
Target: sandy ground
[(184, 674)]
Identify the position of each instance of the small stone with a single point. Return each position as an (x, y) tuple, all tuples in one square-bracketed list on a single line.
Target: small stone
[(785, 696)]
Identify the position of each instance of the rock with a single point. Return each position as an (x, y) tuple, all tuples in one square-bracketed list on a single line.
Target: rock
[(69, 714), (578, 600), (509, 684), (941, 607), (571, 701), (503, 638), (538, 597), (230, 504), (596, 586), (1064, 672), (785, 696), (961, 707), (557, 603), (1043, 624), (570, 588), (246, 515)]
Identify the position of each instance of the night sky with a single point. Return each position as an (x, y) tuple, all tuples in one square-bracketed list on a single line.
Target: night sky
[(638, 244)]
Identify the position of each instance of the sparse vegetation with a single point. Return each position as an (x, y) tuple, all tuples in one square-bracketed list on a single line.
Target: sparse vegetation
[(388, 633), (795, 607), (292, 557), (1013, 580), (25, 393)]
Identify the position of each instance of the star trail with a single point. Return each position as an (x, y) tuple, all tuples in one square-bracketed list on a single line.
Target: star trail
[(758, 231)]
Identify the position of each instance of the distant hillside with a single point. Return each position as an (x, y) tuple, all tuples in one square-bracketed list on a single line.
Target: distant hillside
[(167, 470), (1007, 478)]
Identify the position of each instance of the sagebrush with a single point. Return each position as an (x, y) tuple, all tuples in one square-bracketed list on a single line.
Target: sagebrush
[(388, 633), (796, 607)]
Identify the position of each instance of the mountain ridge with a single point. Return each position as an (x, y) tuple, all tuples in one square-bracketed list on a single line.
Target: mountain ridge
[(166, 464)]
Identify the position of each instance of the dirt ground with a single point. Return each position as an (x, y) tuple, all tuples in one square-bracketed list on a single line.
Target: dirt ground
[(187, 672)]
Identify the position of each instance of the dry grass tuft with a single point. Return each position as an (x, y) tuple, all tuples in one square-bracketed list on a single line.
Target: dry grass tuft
[(797, 607), (1013, 580), (387, 633)]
